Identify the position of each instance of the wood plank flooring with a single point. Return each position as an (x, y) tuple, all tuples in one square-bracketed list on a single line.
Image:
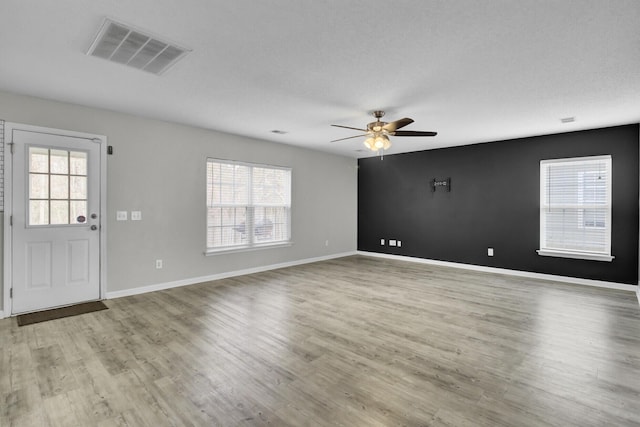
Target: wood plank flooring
[(355, 341)]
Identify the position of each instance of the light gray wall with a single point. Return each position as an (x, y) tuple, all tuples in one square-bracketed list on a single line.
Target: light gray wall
[(159, 168)]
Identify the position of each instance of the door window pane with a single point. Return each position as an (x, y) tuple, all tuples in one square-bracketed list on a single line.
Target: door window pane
[(78, 209), (38, 212), (78, 187), (59, 161), (59, 212), (59, 187), (38, 160), (38, 186), (78, 163)]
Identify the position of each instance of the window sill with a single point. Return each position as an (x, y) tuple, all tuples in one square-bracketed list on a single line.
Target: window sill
[(575, 255), (211, 252)]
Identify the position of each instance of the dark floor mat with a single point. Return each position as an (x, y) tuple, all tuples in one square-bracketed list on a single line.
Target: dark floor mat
[(58, 313)]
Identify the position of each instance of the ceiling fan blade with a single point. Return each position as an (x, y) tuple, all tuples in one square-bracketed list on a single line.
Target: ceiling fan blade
[(347, 127), (391, 127), (349, 137), (414, 133)]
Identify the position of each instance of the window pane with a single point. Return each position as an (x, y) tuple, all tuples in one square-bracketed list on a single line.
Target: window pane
[(38, 160), (226, 227), (566, 230), (59, 161), (78, 163), (225, 185), (38, 186), (233, 185), (78, 208), (594, 218), (271, 186), (234, 221), (78, 187), (232, 237), (213, 178), (214, 217), (59, 187), (214, 238), (39, 212), (59, 212), (272, 224)]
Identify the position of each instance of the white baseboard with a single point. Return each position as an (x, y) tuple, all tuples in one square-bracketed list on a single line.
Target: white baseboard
[(528, 274), (1, 314), (638, 292), (225, 275)]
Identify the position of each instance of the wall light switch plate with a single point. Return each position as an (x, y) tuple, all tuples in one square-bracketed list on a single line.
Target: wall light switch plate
[(136, 215), (489, 251), (121, 215), (381, 242), (392, 242), (399, 243)]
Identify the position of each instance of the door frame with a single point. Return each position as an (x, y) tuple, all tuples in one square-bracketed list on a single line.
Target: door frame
[(8, 204)]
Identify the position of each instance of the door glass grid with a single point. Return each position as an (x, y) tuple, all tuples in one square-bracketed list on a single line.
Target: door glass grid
[(57, 187)]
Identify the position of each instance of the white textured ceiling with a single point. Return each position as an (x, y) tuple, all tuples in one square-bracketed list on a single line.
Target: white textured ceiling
[(473, 71)]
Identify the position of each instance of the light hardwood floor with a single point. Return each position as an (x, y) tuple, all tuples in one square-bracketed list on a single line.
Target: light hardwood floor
[(355, 341)]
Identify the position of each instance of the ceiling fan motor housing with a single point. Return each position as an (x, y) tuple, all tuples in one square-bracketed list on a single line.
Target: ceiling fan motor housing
[(376, 126)]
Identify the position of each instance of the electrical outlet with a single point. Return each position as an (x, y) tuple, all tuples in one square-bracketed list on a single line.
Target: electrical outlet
[(399, 243), (381, 242), (490, 251), (136, 216), (121, 215), (392, 242), (158, 263)]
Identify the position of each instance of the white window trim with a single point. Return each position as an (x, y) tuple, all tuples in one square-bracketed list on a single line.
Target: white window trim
[(575, 255), (232, 249), (254, 246), (560, 253)]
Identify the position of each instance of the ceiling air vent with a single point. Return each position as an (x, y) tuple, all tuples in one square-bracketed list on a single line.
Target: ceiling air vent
[(120, 43)]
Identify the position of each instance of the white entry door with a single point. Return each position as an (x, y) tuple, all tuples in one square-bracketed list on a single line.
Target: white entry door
[(55, 231)]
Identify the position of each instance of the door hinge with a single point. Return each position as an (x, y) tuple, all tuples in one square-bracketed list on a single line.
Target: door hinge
[(11, 144), (11, 220), (10, 292)]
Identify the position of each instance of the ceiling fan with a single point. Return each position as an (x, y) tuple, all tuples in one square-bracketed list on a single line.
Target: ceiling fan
[(378, 132)]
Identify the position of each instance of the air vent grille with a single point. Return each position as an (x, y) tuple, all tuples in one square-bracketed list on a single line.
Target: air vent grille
[(120, 43)]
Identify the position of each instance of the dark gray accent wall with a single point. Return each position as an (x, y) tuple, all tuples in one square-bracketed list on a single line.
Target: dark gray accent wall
[(494, 202)]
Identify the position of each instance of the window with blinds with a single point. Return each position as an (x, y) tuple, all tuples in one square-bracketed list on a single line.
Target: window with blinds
[(575, 208), (248, 205)]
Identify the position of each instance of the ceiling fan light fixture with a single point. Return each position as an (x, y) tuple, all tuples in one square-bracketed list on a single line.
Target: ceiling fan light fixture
[(369, 144), (382, 141)]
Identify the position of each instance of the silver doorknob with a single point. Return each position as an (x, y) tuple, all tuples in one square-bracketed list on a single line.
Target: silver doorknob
[(94, 227)]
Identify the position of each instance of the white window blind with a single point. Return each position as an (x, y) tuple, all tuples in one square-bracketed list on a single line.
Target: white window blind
[(248, 205), (575, 208)]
